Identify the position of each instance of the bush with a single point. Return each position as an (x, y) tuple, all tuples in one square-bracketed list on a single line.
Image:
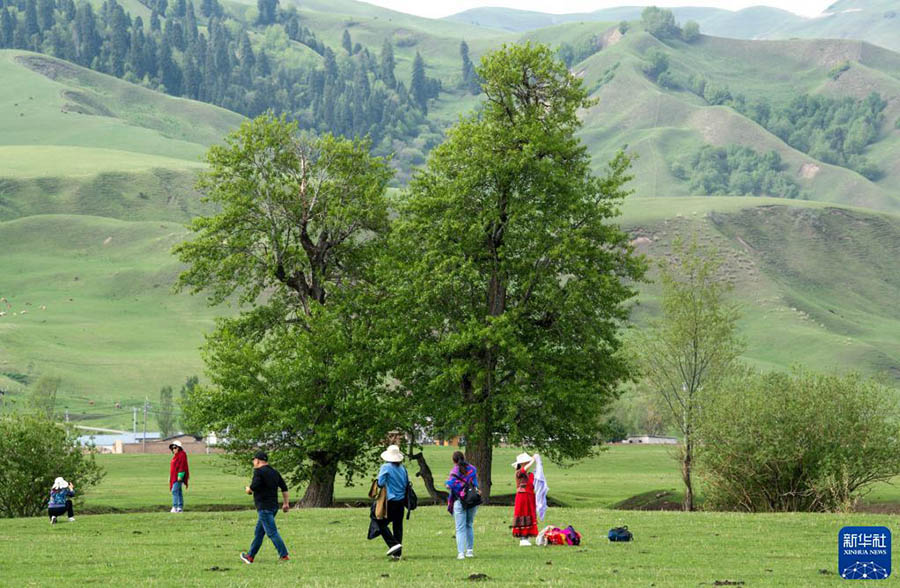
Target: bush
[(797, 442), (690, 32), (34, 451)]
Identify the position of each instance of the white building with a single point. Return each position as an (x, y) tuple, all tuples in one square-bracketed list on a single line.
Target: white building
[(650, 440)]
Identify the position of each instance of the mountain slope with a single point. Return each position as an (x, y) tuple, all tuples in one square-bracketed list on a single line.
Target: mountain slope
[(660, 125), (76, 141)]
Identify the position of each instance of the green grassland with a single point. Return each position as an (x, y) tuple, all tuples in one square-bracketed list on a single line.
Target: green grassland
[(98, 311), (327, 546), (75, 141), (814, 281)]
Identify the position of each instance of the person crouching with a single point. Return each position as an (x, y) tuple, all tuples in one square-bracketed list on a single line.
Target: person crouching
[(61, 500)]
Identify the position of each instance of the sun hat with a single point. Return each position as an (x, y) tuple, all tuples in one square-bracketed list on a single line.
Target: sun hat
[(175, 444), (60, 483), (261, 456), (522, 458), (392, 454)]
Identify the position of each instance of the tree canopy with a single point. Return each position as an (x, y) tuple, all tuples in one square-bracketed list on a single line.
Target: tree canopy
[(301, 220), (509, 279)]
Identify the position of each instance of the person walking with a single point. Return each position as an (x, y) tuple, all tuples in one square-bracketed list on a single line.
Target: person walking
[(61, 500), (264, 487), (178, 475), (394, 478), (525, 512), (463, 478)]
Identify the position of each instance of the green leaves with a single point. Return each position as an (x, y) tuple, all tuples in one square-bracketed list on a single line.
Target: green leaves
[(301, 221), (508, 278)]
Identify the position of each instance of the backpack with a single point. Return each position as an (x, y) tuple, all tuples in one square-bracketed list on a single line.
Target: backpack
[(620, 534), (470, 496), (572, 536), (412, 501)]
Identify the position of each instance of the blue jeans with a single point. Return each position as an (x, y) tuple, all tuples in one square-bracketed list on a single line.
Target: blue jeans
[(465, 534), (177, 497), (265, 525)]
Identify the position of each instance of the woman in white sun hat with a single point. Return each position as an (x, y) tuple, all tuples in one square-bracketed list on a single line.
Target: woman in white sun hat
[(525, 512), (61, 500), (393, 477)]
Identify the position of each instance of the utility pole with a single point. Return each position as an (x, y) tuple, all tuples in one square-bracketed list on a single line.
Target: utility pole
[(67, 415), (144, 440)]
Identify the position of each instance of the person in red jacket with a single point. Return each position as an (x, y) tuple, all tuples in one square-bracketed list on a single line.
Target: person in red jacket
[(178, 475)]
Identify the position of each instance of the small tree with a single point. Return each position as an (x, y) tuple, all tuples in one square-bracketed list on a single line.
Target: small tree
[(165, 416), (797, 442), (690, 32), (183, 395), (685, 353), (42, 396), (659, 22), (35, 450)]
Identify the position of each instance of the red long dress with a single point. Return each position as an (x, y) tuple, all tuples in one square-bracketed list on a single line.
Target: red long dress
[(525, 512)]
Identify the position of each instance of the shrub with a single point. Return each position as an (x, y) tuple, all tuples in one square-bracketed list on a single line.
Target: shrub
[(690, 32), (797, 442), (34, 451)]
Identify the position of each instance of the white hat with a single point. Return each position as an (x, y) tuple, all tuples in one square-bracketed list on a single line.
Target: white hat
[(60, 483), (175, 443), (523, 458), (392, 454)]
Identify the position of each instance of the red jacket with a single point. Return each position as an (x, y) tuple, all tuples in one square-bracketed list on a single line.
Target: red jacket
[(179, 464)]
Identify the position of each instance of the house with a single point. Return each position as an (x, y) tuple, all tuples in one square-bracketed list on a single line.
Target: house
[(152, 443), (190, 443), (650, 440)]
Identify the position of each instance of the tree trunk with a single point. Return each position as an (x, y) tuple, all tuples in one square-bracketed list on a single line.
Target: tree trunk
[(481, 454), (437, 497), (320, 492), (687, 465)]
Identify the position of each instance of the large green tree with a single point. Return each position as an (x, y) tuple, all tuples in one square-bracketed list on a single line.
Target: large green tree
[(300, 223), (509, 278)]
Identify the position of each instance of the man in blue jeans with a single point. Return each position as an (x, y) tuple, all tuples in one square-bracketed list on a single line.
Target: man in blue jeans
[(264, 488)]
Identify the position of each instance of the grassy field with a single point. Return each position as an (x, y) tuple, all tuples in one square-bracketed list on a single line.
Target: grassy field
[(328, 546), (140, 482)]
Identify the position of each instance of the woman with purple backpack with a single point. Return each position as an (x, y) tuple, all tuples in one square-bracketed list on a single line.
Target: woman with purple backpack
[(463, 504)]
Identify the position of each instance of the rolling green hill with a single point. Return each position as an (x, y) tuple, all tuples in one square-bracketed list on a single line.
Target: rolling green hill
[(658, 124), (874, 21), (96, 179), (78, 142)]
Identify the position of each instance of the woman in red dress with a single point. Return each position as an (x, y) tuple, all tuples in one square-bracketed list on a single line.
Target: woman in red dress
[(525, 512)]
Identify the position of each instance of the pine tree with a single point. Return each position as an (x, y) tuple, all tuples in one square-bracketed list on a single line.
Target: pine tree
[(418, 85), (268, 12), (347, 43), (470, 80), (89, 40), (31, 19), (7, 28), (45, 14), (387, 65)]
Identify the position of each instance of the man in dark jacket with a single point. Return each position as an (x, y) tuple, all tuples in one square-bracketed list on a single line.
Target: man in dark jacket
[(264, 488)]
